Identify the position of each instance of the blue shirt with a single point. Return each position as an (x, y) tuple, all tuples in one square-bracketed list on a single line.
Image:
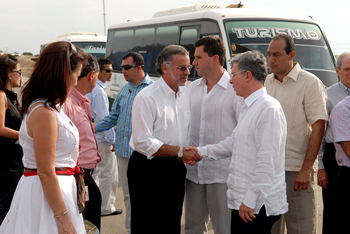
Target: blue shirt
[(99, 109), (120, 116), (335, 93), (339, 123)]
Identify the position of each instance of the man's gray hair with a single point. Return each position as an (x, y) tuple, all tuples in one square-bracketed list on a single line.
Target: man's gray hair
[(252, 61), (340, 59), (166, 56), (91, 65)]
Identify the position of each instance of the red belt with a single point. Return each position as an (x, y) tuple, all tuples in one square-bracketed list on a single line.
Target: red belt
[(59, 171)]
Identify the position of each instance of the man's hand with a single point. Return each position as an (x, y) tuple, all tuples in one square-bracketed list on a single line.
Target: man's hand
[(113, 148), (191, 155), (322, 178), (302, 181), (246, 213)]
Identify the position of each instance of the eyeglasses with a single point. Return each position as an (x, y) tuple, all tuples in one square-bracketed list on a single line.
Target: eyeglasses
[(127, 67), (107, 70), (235, 73), (19, 72), (73, 49), (182, 68)]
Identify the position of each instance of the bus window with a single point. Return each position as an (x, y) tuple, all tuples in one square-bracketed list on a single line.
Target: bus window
[(122, 43), (166, 35), (143, 44), (189, 35), (312, 52)]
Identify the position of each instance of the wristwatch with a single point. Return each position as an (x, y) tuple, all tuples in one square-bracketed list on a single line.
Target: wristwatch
[(180, 153)]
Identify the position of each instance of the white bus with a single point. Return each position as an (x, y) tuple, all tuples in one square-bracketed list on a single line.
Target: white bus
[(237, 26), (90, 42)]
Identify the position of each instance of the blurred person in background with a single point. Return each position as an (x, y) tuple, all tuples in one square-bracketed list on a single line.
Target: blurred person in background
[(11, 167), (45, 200)]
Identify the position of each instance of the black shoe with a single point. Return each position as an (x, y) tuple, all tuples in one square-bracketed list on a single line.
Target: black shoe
[(116, 212)]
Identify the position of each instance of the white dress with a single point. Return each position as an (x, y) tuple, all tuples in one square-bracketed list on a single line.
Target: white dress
[(30, 212)]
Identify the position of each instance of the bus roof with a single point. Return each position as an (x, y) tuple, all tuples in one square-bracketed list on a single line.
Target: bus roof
[(79, 37), (219, 14)]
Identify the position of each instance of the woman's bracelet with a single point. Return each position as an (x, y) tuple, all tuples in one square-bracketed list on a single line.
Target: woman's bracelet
[(64, 213)]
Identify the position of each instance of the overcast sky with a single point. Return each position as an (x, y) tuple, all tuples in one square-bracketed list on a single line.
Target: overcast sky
[(25, 24)]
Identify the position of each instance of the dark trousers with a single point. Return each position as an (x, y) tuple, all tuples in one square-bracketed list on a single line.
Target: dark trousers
[(329, 198), (262, 224), (342, 204), (8, 184), (157, 189), (92, 211)]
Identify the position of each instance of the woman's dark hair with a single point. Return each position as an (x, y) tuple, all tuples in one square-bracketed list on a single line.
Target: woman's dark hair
[(52, 74), (7, 63)]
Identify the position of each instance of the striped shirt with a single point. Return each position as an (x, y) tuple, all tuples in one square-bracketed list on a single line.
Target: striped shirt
[(340, 124), (120, 116)]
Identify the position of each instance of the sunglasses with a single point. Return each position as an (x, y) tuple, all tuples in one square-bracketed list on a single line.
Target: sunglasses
[(127, 67), (107, 70), (73, 49), (182, 68), (19, 72)]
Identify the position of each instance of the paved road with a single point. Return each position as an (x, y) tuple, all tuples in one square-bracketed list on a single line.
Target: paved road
[(115, 224)]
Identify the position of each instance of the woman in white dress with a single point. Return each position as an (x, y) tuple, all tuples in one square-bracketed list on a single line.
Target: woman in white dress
[(45, 200)]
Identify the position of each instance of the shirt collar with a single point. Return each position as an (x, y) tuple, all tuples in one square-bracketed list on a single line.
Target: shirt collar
[(255, 96), (293, 73), (168, 91), (343, 87), (78, 96), (223, 82), (145, 80), (100, 83)]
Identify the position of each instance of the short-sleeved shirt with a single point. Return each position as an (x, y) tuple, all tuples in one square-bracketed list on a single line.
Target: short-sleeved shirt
[(340, 125), (303, 98)]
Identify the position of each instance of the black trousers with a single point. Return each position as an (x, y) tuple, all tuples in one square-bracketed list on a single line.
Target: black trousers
[(342, 203), (8, 184), (262, 224), (329, 198), (92, 211), (157, 189)]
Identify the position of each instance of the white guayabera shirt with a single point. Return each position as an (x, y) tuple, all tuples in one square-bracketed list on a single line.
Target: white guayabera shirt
[(256, 174)]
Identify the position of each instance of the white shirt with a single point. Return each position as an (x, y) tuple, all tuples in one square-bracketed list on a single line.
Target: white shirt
[(257, 144), (99, 109), (159, 116), (216, 115)]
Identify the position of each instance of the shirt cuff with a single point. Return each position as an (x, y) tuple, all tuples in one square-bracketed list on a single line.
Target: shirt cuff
[(320, 165), (250, 199), (203, 151)]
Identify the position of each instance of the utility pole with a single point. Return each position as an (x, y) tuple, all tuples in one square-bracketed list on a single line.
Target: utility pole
[(104, 16)]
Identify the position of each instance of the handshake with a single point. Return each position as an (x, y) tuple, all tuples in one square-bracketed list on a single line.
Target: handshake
[(190, 155)]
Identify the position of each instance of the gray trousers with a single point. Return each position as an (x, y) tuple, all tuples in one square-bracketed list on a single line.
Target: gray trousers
[(301, 215)]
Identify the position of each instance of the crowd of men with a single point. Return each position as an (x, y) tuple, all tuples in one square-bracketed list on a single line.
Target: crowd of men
[(240, 149)]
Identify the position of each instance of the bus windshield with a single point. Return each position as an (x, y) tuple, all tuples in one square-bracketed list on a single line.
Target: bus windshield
[(312, 52), (98, 49)]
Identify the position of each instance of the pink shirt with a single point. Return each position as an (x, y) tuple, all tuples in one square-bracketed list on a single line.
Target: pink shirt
[(77, 108)]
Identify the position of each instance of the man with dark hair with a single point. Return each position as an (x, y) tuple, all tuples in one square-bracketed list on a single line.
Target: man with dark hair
[(256, 181), (120, 116), (216, 105), (77, 108), (106, 172), (156, 172), (327, 164), (303, 98)]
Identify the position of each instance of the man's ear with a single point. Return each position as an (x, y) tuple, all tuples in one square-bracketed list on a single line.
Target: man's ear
[(291, 55), (249, 76), (91, 76), (164, 68)]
